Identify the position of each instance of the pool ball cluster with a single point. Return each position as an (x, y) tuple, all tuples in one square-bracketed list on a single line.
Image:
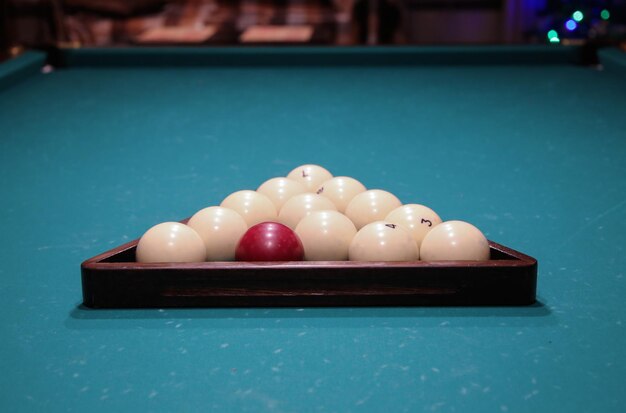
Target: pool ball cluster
[(314, 216)]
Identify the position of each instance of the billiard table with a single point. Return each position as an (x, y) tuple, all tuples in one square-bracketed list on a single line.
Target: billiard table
[(527, 143)]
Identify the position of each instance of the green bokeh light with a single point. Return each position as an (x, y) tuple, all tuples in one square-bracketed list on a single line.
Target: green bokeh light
[(555, 40), (605, 14), (552, 34), (578, 15)]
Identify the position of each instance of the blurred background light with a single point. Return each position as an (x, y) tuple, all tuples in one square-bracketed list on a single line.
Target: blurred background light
[(578, 15), (571, 25)]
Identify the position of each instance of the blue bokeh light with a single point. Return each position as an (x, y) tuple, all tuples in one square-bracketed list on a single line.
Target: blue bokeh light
[(571, 25)]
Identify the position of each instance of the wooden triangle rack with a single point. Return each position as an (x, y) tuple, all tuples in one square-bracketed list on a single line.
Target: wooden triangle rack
[(115, 280)]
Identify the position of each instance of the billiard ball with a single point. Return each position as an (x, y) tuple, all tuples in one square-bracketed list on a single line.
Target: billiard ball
[(383, 241), (326, 236), (455, 241), (269, 241), (279, 190), (341, 190), (417, 219), (370, 206), (299, 206), (312, 176), (253, 206), (170, 242), (220, 229)]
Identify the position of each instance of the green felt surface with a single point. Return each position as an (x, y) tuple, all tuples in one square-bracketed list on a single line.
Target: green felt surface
[(90, 157)]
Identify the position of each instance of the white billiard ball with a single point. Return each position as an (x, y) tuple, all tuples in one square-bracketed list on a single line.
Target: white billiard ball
[(455, 241), (341, 190), (417, 219), (279, 190), (171, 242), (299, 206), (253, 207), (220, 229), (370, 206), (383, 241), (312, 176), (326, 236)]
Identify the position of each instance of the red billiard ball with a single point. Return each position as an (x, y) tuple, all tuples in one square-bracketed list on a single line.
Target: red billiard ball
[(269, 241)]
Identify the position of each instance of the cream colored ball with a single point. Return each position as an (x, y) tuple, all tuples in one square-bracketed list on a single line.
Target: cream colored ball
[(383, 241), (455, 241), (417, 219), (312, 176), (341, 190), (253, 206), (326, 236), (302, 205), (370, 206), (220, 229), (171, 242), (279, 190)]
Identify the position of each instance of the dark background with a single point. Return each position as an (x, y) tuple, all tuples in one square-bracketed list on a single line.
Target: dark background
[(45, 24)]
